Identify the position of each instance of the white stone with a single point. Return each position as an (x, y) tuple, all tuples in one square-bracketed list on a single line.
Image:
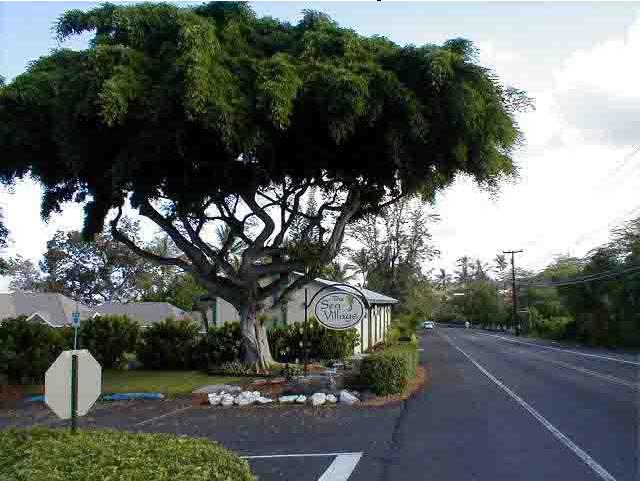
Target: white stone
[(347, 398), (287, 399), (256, 394), (214, 399), (244, 401), (264, 400), (301, 399), (318, 399), (227, 400), (331, 399)]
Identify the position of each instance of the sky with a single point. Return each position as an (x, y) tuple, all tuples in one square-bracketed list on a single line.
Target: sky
[(579, 168)]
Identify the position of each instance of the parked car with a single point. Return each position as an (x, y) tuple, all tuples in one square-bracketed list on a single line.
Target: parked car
[(428, 325)]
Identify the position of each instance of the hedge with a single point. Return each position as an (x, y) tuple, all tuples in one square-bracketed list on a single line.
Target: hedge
[(109, 338), (388, 372), (27, 349), (218, 346), (57, 455), (169, 344), (288, 343)]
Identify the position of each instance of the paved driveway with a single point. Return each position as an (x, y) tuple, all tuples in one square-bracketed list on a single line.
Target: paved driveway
[(495, 408)]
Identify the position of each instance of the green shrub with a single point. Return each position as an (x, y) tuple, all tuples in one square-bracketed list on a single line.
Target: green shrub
[(557, 327), (291, 370), (109, 338), (288, 343), (27, 349), (235, 368), (170, 344), (219, 345), (388, 372), (57, 455)]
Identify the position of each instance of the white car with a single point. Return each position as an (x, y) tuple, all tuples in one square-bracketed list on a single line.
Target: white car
[(428, 325)]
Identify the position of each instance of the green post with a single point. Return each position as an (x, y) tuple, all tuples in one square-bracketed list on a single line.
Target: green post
[(74, 393)]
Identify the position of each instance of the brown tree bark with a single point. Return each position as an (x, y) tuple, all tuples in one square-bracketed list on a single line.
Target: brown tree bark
[(254, 348)]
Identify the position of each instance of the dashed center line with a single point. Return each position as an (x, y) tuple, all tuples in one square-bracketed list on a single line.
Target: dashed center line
[(578, 353)]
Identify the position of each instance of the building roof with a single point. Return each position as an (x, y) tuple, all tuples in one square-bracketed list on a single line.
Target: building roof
[(55, 309), (146, 312), (372, 297)]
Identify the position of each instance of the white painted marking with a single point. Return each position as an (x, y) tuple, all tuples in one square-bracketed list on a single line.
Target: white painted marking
[(605, 377), (340, 470), (156, 418), (578, 353), (585, 457), (267, 456)]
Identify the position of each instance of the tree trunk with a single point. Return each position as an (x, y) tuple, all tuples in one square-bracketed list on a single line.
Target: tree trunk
[(254, 347)]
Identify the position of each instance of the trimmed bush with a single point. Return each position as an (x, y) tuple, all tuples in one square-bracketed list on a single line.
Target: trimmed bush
[(170, 344), (27, 349), (557, 327), (388, 372), (109, 338), (57, 455), (288, 343), (219, 345)]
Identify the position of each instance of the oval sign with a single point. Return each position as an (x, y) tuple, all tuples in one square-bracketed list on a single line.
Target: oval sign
[(339, 310)]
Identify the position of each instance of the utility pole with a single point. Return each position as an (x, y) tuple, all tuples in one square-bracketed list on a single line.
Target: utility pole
[(514, 296)]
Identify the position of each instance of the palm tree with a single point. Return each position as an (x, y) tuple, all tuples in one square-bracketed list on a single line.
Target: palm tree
[(443, 279), (480, 270), (464, 268), (360, 264), (338, 272)]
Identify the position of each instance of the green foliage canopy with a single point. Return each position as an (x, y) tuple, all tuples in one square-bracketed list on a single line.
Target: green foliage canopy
[(169, 96)]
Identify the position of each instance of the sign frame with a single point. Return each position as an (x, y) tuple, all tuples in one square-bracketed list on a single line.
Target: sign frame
[(332, 293), (356, 292)]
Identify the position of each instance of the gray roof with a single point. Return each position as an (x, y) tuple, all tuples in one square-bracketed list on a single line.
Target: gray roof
[(147, 312), (55, 309), (371, 296)]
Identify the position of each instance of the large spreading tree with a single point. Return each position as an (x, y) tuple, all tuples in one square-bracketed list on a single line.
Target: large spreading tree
[(211, 115)]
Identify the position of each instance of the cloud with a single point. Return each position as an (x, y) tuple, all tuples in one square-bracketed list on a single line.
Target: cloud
[(597, 90)]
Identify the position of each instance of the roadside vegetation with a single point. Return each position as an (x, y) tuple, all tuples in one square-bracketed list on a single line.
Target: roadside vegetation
[(57, 455)]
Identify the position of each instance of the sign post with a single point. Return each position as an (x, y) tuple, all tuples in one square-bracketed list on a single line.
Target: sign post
[(72, 385), (75, 321)]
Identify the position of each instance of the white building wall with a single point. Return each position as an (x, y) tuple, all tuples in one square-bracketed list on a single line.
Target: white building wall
[(371, 330)]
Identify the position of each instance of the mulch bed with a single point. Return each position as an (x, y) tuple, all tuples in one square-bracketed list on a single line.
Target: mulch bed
[(10, 395)]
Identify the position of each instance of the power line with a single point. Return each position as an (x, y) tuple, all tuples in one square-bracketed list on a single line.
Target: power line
[(584, 279)]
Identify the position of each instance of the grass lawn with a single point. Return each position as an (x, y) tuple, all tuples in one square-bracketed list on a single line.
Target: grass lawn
[(166, 382)]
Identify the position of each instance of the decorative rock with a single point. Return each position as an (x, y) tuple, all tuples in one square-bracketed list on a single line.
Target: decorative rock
[(214, 399), (287, 399), (318, 399), (244, 401), (227, 400), (264, 400), (301, 399), (347, 398), (331, 399)]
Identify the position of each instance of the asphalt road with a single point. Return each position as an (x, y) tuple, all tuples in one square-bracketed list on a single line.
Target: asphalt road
[(495, 408)]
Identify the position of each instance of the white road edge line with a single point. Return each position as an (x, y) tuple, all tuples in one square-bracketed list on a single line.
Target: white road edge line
[(585, 457), (578, 353), (151, 420)]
